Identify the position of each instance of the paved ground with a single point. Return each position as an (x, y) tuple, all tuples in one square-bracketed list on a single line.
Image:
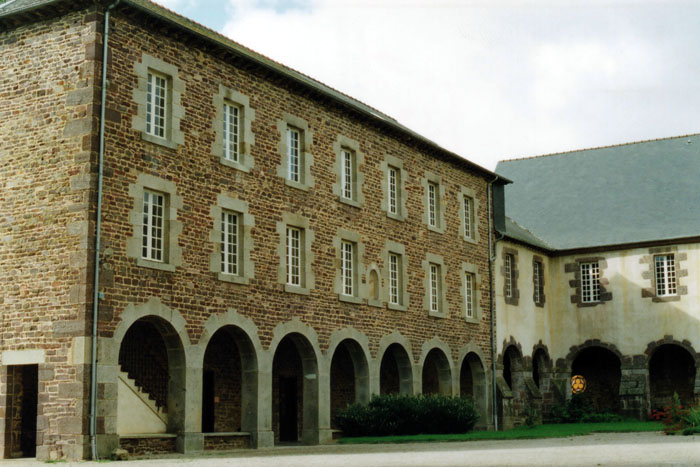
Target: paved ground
[(611, 449)]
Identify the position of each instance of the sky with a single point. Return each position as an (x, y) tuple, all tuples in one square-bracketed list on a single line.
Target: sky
[(489, 79)]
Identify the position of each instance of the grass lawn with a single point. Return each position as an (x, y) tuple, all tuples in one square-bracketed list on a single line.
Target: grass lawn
[(539, 431)]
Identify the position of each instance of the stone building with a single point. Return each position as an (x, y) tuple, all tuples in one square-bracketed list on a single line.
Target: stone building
[(597, 275), (258, 249)]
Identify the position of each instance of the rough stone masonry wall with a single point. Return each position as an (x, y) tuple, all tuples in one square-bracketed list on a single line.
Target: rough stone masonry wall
[(199, 177), (47, 79)]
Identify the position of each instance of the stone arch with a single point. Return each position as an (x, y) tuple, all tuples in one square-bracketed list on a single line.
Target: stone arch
[(473, 380), (394, 362), (541, 365), (511, 361), (602, 368), (436, 367), (231, 373), (358, 349), (576, 349), (295, 382), (672, 369)]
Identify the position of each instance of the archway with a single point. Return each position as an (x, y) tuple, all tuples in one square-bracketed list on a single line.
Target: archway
[(395, 371), (472, 383), (671, 369), (294, 389), (151, 389), (601, 368), (349, 376), (436, 375), (539, 367), (229, 386), (512, 366)]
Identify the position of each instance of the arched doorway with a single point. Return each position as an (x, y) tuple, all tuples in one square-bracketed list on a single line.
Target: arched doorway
[(349, 376), (395, 371), (512, 366), (151, 383), (539, 367), (229, 386), (436, 375), (671, 369), (601, 368), (472, 383), (294, 390)]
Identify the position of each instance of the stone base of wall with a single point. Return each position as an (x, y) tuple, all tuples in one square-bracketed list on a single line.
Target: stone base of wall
[(226, 441), (148, 446)]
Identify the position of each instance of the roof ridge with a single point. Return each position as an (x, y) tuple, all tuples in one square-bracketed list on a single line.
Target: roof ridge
[(598, 147)]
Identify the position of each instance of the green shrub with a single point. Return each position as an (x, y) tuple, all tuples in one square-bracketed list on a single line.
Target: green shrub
[(603, 417), (692, 418), (573, 411), (394, 414)]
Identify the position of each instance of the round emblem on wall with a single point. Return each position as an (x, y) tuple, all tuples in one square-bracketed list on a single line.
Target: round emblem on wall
[(578, 384)]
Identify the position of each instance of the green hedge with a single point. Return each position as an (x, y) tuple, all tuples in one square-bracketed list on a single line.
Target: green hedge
[(407, 415)]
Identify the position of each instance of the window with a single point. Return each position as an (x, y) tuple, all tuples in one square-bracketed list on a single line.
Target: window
[(434, 291), (347, 268), (347, 177), (230, 243), (294, 240), (508, 270), (469, 295), (590, 282), (432, 205), (468, 211), (394, 279), (393, 175), (538, 282), (156, 104), (152, 238), (232, 132), (293, 155), (665, 273)]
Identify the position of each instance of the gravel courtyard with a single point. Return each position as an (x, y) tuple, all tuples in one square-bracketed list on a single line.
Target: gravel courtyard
[(609, 449)]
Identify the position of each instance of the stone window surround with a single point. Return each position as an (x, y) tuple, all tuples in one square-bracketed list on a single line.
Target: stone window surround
[(174, 110), (575, 283), (472, 269), (397, 163), (543, 298), (245, 159), (440, 214), (442, 299), (362, 289), (305, 156), (650, 273), (474, 238), (247, 222), (172, 252), (307, 255), (348, 144), (515, 292), (399, 249)]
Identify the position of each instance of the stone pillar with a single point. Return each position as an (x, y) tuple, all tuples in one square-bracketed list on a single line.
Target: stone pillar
[(190, 438), (107, 396), (262, 435), (633, 391), (325, 435)]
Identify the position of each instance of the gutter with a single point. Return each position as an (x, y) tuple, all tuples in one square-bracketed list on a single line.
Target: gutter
[(96, 295), (492, 258)]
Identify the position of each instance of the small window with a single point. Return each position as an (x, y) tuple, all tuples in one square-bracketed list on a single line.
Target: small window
[(665, 273), (435, 287), (153, 222), (508, 268), (393, 181), (538, 281), (294, 239), (230, 243), (469, 295), (433, 204), (347, 268), (156, 104), (232, 132), (395, 274), (293, 155), (347, 179), (590, 282), (468, 220)]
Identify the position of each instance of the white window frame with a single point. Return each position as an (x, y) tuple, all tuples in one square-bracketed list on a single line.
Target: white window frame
[(536, 280), (395, 273), (154, 221), (294, 242), (230, 242), (156, 111), (468, 206), (433, 193), (294, 162), (590, 281), (665, 275), (435, 286), (232, 131), (508, 270), (393, 180), (347, 174), (469, 294), (347, 268)]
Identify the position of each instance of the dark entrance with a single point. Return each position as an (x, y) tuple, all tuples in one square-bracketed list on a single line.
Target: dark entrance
[(671, 369), (288, 409), (601, 368), (23, 386)]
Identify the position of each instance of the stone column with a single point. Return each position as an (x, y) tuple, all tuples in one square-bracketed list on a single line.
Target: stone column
[(190, 438), (633, 391), (107, 396), (262, 435)]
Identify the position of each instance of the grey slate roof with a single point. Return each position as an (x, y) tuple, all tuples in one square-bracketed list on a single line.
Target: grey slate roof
[(629, 193), (13, 6), (518, 232)]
